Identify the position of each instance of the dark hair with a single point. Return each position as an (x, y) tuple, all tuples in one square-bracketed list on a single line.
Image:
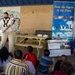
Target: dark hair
[(57, 65), (11, 54), (18, 54), (46, 52), (4, 54), (5, 13), (64, 56), (66, 67), (30, 49)]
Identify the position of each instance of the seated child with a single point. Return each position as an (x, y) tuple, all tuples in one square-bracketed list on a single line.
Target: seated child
[(46, 63), (30, 56), (66, 68)]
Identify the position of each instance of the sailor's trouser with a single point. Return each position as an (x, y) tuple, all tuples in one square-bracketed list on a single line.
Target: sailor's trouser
[(10, 36)]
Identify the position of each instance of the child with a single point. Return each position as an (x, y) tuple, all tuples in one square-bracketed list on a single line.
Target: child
[(46, 63), (66, 68), (30, 56)]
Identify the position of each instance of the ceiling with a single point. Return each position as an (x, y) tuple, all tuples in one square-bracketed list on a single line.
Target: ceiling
[(26, 2)]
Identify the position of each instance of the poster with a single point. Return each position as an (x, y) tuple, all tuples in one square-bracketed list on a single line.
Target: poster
[(63, 17), (11, 10)]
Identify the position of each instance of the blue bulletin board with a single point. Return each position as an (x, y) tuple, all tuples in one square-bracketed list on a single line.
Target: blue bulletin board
[(63, 17), (63, 20)]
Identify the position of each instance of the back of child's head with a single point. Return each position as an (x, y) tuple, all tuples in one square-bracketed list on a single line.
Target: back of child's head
[(46, 52), (18, 54), (30, 49), (4, 54), (67, 67)]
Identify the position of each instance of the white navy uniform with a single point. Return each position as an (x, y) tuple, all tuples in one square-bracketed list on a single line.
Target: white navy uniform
[(7, 34), (14, 25)]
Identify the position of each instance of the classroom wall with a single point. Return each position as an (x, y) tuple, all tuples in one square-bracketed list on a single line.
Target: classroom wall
[(37, 17)]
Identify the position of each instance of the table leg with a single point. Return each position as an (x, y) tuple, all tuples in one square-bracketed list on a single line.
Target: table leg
[(15, 39), (40, 42), (38, 52)]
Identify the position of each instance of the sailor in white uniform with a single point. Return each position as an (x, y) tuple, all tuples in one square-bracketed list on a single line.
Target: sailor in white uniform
[(7, 32), (14, 23)]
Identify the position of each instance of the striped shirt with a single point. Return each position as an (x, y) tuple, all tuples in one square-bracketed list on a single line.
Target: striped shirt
[(16, 67), (44, 64)]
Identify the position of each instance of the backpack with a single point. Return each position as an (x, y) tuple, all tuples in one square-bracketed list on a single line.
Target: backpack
[(30, 57)]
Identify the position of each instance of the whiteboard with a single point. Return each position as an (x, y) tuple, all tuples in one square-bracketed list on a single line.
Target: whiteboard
[(60, 52)]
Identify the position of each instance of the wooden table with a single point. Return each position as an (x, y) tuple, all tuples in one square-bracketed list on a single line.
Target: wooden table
[(33, 37)]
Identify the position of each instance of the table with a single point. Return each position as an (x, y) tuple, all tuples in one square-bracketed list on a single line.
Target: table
[(33, 37)]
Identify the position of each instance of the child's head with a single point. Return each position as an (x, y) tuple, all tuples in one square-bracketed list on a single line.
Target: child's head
[(30, 49), (4, 54), (46, 52), (64, 58), (18, 54), (66, 67)]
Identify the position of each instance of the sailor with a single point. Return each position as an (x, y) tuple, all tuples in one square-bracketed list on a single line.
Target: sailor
[(7, 32)]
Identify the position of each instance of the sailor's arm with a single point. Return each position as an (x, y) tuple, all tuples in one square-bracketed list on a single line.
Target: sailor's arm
[(7, 27)]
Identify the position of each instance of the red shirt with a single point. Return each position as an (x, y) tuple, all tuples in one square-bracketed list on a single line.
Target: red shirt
[(30, 57), (60, 73)]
